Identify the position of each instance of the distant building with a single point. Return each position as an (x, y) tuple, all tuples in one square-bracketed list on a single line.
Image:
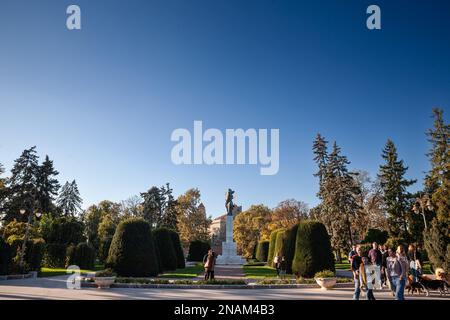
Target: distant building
[(217, 230)]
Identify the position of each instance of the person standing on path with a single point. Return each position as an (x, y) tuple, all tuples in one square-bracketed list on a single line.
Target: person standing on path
[(209, 261), (400, 289)]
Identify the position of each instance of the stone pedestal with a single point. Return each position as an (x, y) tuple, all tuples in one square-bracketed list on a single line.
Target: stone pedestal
[(229, 252)]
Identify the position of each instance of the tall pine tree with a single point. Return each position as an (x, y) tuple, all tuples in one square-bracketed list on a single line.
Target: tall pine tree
[(395, 194), (48, 186), (437, 182), (69, 200), (23, 186)]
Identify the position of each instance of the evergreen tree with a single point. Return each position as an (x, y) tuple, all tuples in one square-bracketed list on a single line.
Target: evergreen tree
[(2, 188), (69, 200), (437, 182), (321, 158), (394, 186), (340, 192), (169, 218), (22, 185), (153, 206), (48, 185)]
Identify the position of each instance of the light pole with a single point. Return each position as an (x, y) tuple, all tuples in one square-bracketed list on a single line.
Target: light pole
[(27, 231), (420, 205)]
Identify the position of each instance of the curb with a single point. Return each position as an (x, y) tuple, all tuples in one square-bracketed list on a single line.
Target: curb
[(17, 276), (212, 286)]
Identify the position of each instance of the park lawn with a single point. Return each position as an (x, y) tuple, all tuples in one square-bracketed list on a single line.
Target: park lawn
[(188, 272), (52, 272), (259, 272), (342, 266)]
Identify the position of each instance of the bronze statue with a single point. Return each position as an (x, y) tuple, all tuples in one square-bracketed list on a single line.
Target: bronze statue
[(229, 202)]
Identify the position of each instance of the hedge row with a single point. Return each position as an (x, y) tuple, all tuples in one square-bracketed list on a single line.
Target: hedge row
[(135, 251), (262, 251), (197, 250)]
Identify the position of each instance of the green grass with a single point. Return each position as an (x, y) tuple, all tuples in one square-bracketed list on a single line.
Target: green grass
[(342, 266), (52, 272), (259, 272), (188, 272)]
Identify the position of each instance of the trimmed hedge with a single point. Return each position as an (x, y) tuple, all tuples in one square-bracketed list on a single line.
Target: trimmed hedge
[(132, 252), (5, 257), (272, 244), (291, 239), (313, 251), (280, 243), (81, 255), (262, 251), (375, 235), (197, 250), (167, 255), (181, 263)]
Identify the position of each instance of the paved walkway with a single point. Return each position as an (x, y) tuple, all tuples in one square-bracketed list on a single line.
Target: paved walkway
[(55, 288), (226, 272)]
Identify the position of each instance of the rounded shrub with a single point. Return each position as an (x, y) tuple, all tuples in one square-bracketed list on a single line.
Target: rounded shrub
[(262, 250), (375, 235), (313, 251), (132, 252), (167, 255), (394, 242), (197, 250), (81, 255), (181, 263), (272, 244), (5, 257), (291, 239)]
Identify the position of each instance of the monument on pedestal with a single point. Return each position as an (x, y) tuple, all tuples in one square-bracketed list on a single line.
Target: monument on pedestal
[(229, 252)]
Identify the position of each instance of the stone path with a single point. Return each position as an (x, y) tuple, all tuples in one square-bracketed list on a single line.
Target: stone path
[(55, 288), (226, 272)]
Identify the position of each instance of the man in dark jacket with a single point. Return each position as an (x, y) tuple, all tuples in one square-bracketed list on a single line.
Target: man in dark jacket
[(375, 256), (356, 264)]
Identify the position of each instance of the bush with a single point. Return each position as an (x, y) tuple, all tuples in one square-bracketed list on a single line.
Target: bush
[(262, 251), (312, 250), (5, 257), (132, 252), (105, 273), (272, 244), (375, 235), (437, 245), (324, 274), (34, 253), (167, 255), (280, 243), (81, 255), (55, 255), (63, 230), (197, 250), (181, 263), (291, 238)]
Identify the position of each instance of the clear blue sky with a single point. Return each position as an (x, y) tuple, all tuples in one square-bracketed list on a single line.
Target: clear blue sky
[(103, 101)]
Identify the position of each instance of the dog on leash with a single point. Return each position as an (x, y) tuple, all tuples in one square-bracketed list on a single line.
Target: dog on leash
[(413, 286), (433, 285)]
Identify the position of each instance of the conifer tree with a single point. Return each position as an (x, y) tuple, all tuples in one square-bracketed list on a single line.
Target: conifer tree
[(69, 200), (395, 194), (22, 185), (47, 185)]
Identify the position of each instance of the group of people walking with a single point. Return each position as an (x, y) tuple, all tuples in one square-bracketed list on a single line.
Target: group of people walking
[(394, 266)]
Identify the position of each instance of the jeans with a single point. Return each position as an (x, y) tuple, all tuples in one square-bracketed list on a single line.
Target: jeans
[(357, 289), (398, 286)]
